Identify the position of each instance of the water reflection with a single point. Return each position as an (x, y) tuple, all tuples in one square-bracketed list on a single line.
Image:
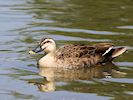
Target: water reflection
[(54, 75)]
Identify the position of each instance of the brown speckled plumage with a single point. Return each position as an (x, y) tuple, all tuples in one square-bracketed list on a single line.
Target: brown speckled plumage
[(81, 55)]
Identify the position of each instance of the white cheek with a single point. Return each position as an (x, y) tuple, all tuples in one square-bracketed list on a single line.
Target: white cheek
[(48, 48), (44, 46)]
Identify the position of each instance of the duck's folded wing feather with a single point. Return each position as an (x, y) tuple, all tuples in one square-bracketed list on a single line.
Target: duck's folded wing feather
[(78, 51)]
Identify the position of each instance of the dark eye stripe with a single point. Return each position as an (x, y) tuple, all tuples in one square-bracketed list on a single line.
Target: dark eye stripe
[(45, 42), (43, 39)]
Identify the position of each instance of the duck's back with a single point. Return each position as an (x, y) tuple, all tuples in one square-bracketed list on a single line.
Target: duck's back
[(79, 56)]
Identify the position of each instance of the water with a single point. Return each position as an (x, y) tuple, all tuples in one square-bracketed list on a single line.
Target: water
[(24, 22)]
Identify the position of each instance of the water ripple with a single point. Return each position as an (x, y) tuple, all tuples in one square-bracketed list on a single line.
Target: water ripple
[(75, 30), (121, 80), (125, 27)]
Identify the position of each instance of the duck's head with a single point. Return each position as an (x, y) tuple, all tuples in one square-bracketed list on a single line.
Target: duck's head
[(46, 44)]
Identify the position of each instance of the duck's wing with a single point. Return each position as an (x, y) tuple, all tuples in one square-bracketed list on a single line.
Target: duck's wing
[(78, 51), (85, 56), (103, 47)]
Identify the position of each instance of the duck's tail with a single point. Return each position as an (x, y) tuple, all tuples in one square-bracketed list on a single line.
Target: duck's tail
[(118, 51), (113, 52)]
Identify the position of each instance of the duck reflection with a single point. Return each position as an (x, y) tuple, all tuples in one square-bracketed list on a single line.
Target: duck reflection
[(53, 75)]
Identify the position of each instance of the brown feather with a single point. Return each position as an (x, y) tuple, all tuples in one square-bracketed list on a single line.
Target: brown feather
[(81, 55)]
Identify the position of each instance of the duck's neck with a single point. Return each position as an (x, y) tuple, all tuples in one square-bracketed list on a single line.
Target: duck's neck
[(48, 60), (50, 54)]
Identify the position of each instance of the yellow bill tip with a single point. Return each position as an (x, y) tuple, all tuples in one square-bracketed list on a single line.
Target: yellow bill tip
[(31, 52)]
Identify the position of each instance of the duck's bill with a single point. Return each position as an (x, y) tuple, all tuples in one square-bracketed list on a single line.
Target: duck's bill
[(31, 52), (36, 50)]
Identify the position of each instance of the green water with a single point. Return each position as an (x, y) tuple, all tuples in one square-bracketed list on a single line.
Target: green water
[(24, 22)]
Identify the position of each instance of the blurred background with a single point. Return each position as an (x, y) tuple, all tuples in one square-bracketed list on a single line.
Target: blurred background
[(24, 22)]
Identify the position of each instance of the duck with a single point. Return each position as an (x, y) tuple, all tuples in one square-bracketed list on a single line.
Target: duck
[(75, 55)]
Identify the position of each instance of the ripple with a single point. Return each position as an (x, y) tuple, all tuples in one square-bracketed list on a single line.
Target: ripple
[(121, 80), (66, 38), (129, 47), (125, 27), (129, 64), (129, 92), (64, 95), (75, 30)]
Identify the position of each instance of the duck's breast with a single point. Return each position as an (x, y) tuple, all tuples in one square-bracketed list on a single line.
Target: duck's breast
[(47, 61)]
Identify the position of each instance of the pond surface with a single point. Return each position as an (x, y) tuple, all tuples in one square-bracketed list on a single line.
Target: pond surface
[(24, 22)]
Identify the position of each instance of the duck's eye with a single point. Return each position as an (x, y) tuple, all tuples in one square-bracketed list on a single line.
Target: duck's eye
[(47, 42)]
